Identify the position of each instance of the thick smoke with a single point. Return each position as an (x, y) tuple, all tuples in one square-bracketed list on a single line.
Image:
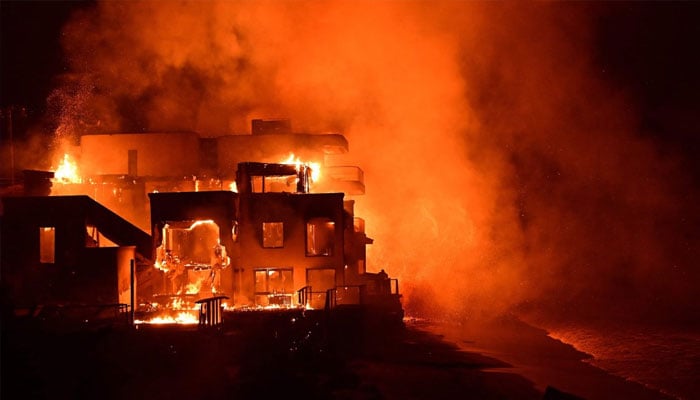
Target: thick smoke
[(502, 173)]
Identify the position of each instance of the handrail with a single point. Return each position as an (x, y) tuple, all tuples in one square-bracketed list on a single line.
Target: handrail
[(211, 311), (304, 295), (331, 298)]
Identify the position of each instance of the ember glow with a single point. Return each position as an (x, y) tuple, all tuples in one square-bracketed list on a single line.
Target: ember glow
[(191, 259), (502, 169), (314, 166), (233, 187), (67, 171), (184, 318)]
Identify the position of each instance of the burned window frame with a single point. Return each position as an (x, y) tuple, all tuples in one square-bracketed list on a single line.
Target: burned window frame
[(287, 292), (315, 270), (95, 237), (330, 249), (44, 257), (277, 244)]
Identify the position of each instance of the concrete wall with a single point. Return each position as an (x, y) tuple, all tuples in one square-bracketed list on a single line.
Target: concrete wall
[(157, 154), (293, 210)]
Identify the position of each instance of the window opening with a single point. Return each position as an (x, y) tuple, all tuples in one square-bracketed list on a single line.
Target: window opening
[(320, 237), (320, 280), (274, 286), (47, 244), (192, 256), (273, 234)]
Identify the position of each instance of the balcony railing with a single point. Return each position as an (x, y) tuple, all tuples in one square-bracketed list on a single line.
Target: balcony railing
[(345, 295), (348, 179)]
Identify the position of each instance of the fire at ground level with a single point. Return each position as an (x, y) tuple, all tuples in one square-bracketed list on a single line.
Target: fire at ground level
[(298, 354), (287, 250)]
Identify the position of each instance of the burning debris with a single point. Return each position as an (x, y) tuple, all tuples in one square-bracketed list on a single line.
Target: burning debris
[(437, 91), (541, 181), (285, 239), (192, 257), (67, 171)]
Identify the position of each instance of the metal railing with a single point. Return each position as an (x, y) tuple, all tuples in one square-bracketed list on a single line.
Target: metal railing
[(308, 298), (331, 299), (304, 295), (211, 312), (345, 295)]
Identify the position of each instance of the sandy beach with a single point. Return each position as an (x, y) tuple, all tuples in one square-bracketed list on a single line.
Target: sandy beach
[(543, 361)]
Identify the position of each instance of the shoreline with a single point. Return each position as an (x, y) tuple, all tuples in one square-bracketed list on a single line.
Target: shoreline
[(423, 365), (546, 361)]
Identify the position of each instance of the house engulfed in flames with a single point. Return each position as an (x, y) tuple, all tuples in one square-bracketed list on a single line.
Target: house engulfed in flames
[(169, 225)]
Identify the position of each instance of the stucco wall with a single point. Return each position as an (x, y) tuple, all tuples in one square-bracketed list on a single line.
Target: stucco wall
[(157, 154)]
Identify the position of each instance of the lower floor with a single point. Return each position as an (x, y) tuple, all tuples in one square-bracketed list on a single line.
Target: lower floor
[(264, 286)]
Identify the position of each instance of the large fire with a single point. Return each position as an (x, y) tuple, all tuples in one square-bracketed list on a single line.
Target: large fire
[(67, 171), (176, 311), (314, 166), (190, 258), (185, 318)]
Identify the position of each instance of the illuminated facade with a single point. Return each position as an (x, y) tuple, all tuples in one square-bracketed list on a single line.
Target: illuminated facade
[(263, 234)]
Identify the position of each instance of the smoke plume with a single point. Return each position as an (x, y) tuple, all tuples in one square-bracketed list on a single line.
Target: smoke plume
[(502, 172)]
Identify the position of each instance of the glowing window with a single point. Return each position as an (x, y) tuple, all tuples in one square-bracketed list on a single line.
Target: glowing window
[(273, 280), (273, 234), (190, 242), (257, 184), (320, 279), (47, 245), (95, 238), (273, 286), (320, 235)]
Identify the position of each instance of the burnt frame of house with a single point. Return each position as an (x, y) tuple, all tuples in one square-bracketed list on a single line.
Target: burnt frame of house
[(240, 218), (72, 268), (329, 265)]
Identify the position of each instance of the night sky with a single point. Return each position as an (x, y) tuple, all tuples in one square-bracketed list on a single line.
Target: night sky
[(648, 49), (31, 49), (566, 181)]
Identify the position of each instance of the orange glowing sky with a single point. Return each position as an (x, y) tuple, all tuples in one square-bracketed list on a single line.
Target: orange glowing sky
[(505, 169)]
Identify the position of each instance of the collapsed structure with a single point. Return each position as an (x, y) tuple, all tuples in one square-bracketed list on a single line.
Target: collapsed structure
[(163, 224)]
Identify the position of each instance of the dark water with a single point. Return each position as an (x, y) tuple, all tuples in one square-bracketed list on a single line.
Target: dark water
[(666, 359), (631, 361)]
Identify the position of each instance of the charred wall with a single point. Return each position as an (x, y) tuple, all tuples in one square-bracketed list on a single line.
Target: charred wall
[(49, 258), (293, 211), (137, 154)]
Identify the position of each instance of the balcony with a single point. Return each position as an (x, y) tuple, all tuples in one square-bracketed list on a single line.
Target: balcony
[(347, 179)]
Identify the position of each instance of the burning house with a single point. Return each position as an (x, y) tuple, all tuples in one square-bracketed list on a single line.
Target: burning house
[(165, 224), (68, 252)]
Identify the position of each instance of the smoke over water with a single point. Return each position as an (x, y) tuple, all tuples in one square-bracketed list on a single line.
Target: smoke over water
[(502, 172)]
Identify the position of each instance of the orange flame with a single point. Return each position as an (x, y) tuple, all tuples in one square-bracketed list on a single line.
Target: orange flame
[(315, 167), (184, 318), (67, 171)]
